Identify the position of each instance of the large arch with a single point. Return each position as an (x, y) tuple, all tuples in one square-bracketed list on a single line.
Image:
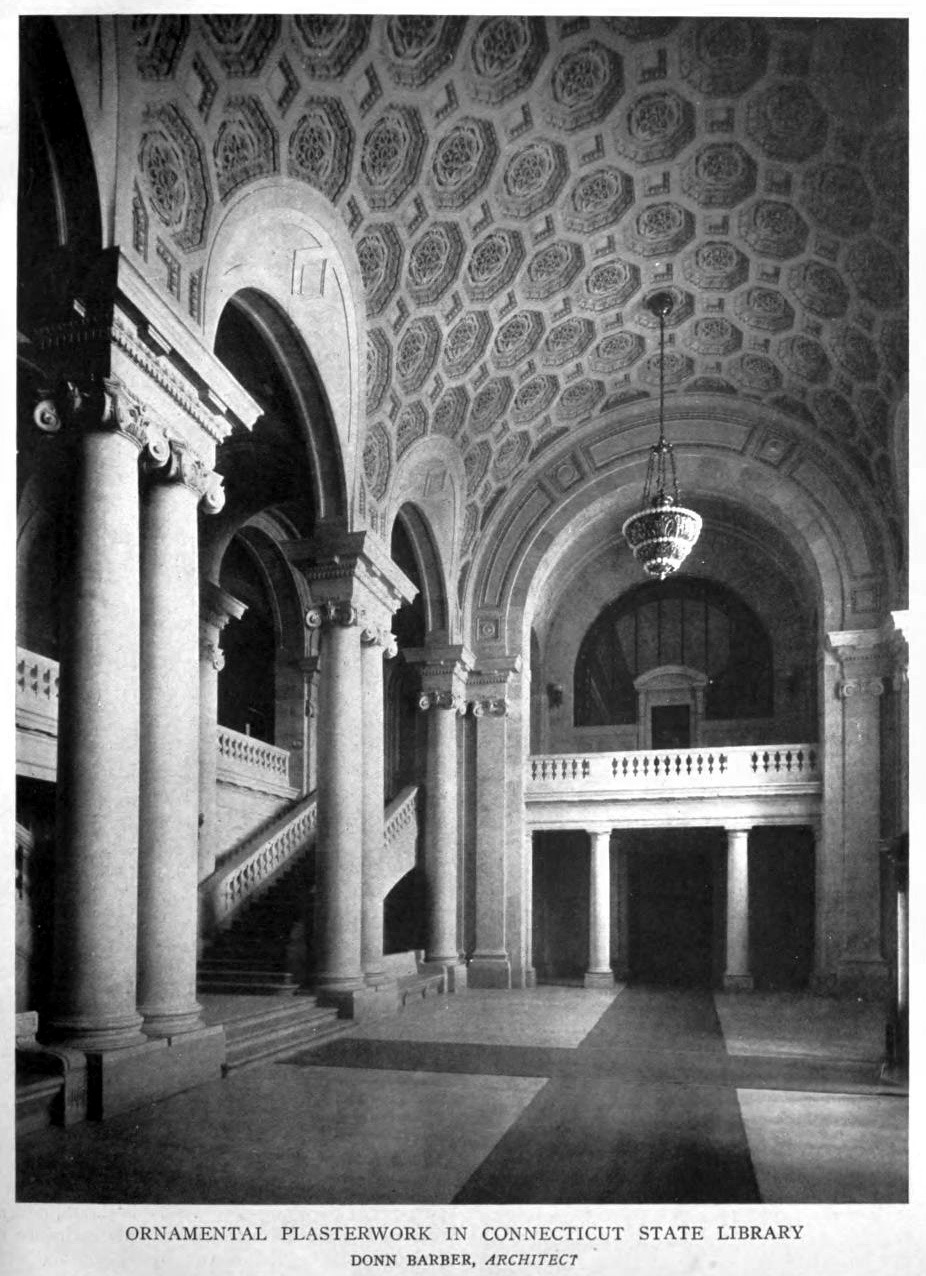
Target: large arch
[(283, 253), (730, 456)]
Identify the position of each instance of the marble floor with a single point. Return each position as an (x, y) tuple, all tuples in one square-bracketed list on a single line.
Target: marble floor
[(549, 1095)]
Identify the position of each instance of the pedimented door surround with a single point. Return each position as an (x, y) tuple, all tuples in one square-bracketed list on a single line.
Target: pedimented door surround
[(669, 685)]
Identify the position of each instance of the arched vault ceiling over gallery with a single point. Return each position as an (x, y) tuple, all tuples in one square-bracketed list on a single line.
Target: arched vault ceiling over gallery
[(515, 186)]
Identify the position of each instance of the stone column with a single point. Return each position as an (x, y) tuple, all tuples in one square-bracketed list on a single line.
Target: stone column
[(217, 609), (442, 697), (339, 828), (490, 964), (353, 583), (170, 741), (96, 872), (622, 912), (599, 973), (376, 642), (737, 974), (862, 969)]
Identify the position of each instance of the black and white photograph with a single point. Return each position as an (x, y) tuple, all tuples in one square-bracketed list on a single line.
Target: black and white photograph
[(462, 620)]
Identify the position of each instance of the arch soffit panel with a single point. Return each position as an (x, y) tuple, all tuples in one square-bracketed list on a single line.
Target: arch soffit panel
[(800, 491), (431, 572), (91, 50), (286, 242), (316, 423), (429, 479), (263, 537)]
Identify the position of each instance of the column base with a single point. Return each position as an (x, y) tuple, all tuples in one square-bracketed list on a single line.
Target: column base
[(119, 1080), (171, 1024), (599, 979), (75, 1034), (868, 979), (529, 977), (455, 972), (738, 983), (361, 1003), (489, 970)]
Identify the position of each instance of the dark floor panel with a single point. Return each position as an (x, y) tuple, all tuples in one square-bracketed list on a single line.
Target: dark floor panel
[(654, 1018), (610, 1142)]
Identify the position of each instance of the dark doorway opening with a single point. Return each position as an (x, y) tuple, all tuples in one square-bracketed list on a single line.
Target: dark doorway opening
[(675, 930), (670, 725), (560, 916), (781, 907)]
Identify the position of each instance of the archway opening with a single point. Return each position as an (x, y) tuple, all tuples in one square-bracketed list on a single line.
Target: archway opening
[(674, 882), (246, 683)]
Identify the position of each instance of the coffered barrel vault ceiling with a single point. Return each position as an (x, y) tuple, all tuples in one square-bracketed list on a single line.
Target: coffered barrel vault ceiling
[(516, 186)]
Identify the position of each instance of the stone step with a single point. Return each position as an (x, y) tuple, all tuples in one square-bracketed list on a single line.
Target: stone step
[(246, 987), (272, 1036)]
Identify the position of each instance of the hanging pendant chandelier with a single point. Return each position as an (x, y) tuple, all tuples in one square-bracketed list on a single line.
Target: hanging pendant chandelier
[(663, 533)]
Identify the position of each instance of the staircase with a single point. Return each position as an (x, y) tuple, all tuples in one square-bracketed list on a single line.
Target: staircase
[(252, 955)]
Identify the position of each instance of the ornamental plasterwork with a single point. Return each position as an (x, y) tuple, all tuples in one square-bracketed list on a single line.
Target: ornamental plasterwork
[(417, 48), (321, 146), (521, 183)]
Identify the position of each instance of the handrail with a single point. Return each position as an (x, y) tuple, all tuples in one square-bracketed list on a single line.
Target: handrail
[(248, 872), (400, 812), (400, 837)]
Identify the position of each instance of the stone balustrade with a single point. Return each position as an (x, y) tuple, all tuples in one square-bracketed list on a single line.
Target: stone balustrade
[(400, 837), (248, 872), (253, 763), (37, 690), (683, 771), (36, 715)]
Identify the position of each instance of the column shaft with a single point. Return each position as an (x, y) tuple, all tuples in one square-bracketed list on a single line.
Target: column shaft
[(374, 801), (490, 965), (340, 811), (599, 972), (210, 663), (440, 854), (737, 974), (170, 725), (97, 788)]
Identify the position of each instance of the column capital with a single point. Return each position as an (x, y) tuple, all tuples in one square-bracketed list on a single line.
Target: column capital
[(342, 566), (373, 635), (864, 659), (851, 688), (444, 672), (210, 653), (120, 325), (333, 611), (737, 830), (487, 686), (93, 402), (217, 606), (170, 461), (599, 830)]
